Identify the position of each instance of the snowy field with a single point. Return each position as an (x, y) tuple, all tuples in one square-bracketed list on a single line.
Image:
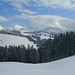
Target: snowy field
[(14, 40), (61, 67)]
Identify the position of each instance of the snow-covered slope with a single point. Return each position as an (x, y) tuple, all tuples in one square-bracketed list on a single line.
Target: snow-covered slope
[(35, 37), (7, 40), (61, 67), (30, 37)]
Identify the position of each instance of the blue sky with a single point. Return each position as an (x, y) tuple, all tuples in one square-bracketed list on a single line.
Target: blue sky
[(38, 14)]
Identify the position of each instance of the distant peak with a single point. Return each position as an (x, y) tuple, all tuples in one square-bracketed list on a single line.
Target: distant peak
[(17, 27), (53, 29), (1, 28)]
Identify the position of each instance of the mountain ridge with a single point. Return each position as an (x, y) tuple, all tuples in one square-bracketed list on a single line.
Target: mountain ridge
[(37, 37)]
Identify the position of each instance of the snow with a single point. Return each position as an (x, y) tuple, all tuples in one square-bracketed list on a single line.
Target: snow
[(24, 33), (34, 39), (28, 34), (17, 27), (44, 37), (61, 67), (14, 40), (1, 28)]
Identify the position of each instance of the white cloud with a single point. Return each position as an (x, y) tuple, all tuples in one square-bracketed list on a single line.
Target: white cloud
[(3, 19), (40, 22), (65, 4), (19, 5), (27, 11), (68, 23), (43, 21)]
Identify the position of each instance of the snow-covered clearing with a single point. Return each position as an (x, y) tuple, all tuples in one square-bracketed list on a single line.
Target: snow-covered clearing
[(44, 37), (61, 67), (14, 40)]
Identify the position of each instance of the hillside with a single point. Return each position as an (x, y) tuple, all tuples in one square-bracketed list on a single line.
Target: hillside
[(7, 40), (60, 67), (24, 35)]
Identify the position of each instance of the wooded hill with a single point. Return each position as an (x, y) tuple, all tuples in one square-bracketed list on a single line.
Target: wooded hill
[(61, 46)]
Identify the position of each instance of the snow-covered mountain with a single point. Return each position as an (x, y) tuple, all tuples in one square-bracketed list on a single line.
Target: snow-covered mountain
[(25, 36), (61, 67), (19, 28), (53, 30), (1, 28)]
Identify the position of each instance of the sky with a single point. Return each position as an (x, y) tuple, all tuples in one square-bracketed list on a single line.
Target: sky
[(38, 14)]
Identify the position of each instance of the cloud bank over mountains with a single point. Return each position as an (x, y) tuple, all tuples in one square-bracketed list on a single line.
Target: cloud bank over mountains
[(39, 21)]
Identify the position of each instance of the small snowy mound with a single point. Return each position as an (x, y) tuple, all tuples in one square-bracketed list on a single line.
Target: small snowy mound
[(61, 67)]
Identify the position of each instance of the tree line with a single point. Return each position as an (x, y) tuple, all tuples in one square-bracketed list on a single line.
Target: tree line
[(61, 46)]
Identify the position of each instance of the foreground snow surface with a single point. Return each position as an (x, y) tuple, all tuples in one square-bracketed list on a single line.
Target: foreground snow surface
[(61, 67)]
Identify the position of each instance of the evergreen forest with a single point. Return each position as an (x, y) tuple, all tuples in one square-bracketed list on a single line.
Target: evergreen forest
[(62, 46)]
